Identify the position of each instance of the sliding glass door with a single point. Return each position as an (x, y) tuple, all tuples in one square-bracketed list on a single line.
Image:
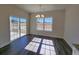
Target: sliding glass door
[(23, 26), (17, 27)]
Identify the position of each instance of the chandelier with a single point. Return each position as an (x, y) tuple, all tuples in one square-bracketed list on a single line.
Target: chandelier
[(41, 15)]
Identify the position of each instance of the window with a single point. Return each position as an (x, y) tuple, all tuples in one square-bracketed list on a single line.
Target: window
[(39, 23), (48, 24), (45, 24)]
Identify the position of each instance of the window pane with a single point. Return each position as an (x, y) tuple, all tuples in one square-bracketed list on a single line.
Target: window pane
[(48, 20), (40, 20), (48, 24), (39, 23), (14, 27), (14, 19), (23, 26)]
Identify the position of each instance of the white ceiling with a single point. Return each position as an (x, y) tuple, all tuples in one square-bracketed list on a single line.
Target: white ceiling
[(34, 8)]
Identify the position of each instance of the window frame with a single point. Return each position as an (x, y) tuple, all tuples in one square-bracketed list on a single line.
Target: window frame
[(44, 24)]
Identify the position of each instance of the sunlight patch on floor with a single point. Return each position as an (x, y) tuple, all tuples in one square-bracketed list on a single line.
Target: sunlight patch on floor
[(47, 41), (47, 46), (32, 46), (35, 39), (47, 50)]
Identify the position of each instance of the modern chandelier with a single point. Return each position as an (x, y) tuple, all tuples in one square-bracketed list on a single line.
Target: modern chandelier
[(41, 15)]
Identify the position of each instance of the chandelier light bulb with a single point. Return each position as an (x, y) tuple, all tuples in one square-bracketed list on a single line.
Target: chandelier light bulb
[(42, 15), (38, 16)]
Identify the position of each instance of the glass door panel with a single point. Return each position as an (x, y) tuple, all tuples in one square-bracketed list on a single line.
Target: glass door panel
[(14, 28), (17, 27), (23, 26)]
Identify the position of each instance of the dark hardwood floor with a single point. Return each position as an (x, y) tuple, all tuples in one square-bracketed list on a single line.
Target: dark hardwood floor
[(17, 47)]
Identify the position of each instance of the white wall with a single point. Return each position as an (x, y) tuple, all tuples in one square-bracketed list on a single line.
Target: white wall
[(5, 12), (71, 34), (58, 26)]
